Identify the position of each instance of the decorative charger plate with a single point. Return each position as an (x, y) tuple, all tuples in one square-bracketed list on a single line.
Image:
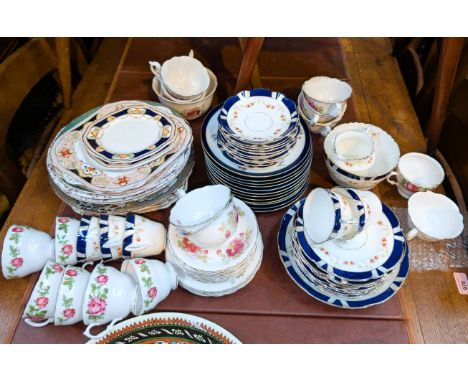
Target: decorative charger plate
[(167, 328)]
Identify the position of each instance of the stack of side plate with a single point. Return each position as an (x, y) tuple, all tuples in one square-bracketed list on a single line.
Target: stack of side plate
[(343, 276), (122, 157), (262, 188)]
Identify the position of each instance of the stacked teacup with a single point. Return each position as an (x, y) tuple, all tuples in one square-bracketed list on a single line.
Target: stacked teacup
[(184, 85), (344, 248), (107, 237), (322, 103), (66, 295), (213, 242)]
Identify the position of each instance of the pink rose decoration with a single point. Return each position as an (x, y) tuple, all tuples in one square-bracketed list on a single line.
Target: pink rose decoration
[(139, 261), (17, 262), (411, 187), (67, 249), (102, 279), (58, 268), (42, 302), (72, 272), (227, 234), (69, 313), (236, 247), (96, 306), (152, 292), (62, 220), (18, 229)]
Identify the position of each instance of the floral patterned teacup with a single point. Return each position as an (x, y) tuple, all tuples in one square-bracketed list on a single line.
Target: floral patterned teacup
[(68, 310), (40, 308), (25, 251), (109, 297), (88, 243), (155, 281), (416, 172), (113, 237), (207, 216), (148, 238), (66, 233)]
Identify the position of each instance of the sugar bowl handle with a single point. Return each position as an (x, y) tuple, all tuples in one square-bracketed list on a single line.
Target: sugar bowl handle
[(155, 67), (389, 180), (412, 234)]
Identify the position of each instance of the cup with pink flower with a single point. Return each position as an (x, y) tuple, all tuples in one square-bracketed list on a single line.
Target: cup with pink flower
[(109, 298), (155, 281), (25, 251), (40, 308), (68, 310), (66, 233)]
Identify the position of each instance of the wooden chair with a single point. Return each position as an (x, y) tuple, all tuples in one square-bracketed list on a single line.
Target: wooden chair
[(251, 48), (19, 72)]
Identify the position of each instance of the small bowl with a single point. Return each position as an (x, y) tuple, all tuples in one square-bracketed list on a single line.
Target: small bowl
[(207, 216), (188, 109)]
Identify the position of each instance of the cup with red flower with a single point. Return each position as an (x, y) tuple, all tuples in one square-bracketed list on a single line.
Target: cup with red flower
[(66, 233), (25, 251), (155, 281), (109, 298), (68, 310), (40, 308)]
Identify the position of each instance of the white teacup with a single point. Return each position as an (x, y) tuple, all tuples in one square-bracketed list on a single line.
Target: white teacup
[(109, 297), (155, 281), (66, 233), (25, 251), (40, 308), (416, 172), (69, 308), (207, 216), (433, 217), (326, 95), (354, 149), (148, 238), (327, 216), (88, 244), (114, 236), (183, 77)]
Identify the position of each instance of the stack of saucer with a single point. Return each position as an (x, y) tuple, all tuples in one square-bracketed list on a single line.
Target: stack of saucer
[(255, 145), (125, 156), (214, 242), (344, 248)]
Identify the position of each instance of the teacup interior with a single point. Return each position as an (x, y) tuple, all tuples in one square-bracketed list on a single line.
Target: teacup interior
[(421, 169), (319, 215), (326, 89), (353, 145), (185, 76), (200, 205)]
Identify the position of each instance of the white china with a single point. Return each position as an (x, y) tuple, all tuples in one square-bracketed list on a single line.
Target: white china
[(66, 234), (354, 150), (184, 77), (69, 308), (40, 309), (148, 237), (386, 153), (206, 216), (372, 204), (326, 95), (356, 208), (155, 280), (115, 236), (416, 172), (433, 217), (25, 251), (190, 109), (110, 296)]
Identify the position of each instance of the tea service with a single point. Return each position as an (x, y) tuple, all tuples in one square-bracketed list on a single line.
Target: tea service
[(215, 246), (26, 250), (416, 172)]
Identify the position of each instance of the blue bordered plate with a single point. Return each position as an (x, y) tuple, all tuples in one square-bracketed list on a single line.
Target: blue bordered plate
[(386, 291), (318, 253)]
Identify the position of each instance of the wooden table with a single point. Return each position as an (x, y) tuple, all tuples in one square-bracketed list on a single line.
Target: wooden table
[(271, 308)]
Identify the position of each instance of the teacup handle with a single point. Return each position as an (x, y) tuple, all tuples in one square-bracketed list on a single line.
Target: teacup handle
[(191, 53), (180, 192), (38, 324), (389, 180), (412, 234), (88, 334), (155, 67)]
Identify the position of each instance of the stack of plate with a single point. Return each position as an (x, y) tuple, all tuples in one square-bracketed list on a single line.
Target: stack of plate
[(343, 277), (255, 145), (220, 270), (122, 157)]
